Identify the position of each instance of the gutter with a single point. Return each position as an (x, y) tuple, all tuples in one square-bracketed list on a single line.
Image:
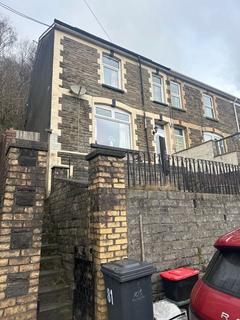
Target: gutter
[(59, 25)]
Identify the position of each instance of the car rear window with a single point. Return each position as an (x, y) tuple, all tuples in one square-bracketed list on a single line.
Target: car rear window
[(224, 272)]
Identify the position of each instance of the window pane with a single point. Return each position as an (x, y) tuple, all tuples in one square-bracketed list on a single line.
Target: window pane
[(211, 136), (122, 116), (180, 140), (111, 77), (176, 102), (225, 274), (174, 87), (113, 134), (157, 80), (110, 62), (157, 93), (207, 136), (209, 112), (207, 101), (179, 131), (103, 112)]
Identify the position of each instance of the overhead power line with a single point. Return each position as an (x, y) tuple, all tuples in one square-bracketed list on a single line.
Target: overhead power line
[(22, 14), (98, 21)]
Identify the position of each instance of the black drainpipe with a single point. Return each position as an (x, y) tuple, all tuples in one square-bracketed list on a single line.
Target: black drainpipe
[(143, 104)]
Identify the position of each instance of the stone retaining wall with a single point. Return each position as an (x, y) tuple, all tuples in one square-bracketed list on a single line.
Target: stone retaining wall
[(178, 229)]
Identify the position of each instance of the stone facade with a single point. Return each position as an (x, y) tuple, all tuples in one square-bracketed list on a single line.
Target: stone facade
[(22, 194), (89, 222), (77, 60), (178, 229)]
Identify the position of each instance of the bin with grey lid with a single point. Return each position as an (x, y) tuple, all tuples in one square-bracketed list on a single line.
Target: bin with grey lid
[(128, 290)]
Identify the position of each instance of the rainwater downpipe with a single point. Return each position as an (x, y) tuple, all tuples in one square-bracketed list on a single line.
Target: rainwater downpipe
[(143, 104), (235, 112)]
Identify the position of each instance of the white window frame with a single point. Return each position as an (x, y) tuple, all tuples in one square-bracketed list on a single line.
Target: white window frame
[(183, 136), (179, 96), (113, 69), (207, 107), (221, 146), (154, 84), (113, 119), (213, 136)]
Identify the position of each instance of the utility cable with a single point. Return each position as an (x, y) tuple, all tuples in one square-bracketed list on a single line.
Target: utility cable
[(22, 14), (98, 21)]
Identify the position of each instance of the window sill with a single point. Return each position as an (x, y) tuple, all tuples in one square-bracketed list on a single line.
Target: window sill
[(112, 88), (160, 103), (101, 146), (178, 109), (212, 119)]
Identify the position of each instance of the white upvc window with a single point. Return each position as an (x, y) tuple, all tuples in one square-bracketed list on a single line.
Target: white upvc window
[(180, 143), (208, 106), (175, 92), (157, 85), (111, 71), (113, 127)]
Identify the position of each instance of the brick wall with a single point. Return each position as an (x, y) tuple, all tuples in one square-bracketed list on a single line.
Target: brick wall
[(69, 214), (20, 227), (179, 229), (90, 223)]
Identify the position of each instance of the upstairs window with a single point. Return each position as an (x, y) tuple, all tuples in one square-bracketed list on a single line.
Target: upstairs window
[(111, 72), (175, 92), (179, 139), (208, 106), (157, 85), (113, 127)]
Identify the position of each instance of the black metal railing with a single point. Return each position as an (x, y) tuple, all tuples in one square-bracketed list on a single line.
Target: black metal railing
[(185, 174)]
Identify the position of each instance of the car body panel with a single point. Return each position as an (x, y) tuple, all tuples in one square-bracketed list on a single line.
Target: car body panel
[(231, 240), (208, 303)]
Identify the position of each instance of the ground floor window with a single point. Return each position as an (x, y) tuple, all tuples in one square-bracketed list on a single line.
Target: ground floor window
[(179, 139), (207, 136), (113, 127)]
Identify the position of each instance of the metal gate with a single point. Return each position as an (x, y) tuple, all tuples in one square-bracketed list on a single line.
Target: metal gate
[(83, 303)]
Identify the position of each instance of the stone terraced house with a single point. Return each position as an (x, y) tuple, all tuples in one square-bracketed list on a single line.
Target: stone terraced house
[(92, 106), (125, 101)]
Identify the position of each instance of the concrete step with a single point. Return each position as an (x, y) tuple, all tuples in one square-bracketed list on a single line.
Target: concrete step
[(50, 278), (50, 262), (56, 311), (49, 249), (54, 294)]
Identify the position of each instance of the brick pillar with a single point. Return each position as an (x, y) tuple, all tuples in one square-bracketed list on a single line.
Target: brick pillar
[(20, 229), (108, 226)]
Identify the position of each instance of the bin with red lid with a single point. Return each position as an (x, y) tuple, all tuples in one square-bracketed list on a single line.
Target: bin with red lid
[(178, 283)]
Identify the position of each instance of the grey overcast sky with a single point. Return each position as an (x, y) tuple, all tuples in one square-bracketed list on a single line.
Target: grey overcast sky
[(199, 38)]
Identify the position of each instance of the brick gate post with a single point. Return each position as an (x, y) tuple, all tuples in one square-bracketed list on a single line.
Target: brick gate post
[(108, 225), (21, 210)]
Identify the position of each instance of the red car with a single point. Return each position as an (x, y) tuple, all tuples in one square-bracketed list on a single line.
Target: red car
[(217, 295)]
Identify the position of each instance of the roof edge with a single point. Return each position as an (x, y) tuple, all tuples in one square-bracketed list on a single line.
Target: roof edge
[(62, 26)]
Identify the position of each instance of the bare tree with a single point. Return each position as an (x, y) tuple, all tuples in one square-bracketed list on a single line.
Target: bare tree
[(15, 73), (7, 36)]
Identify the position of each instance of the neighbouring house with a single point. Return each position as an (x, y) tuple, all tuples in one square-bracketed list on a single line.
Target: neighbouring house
[(87, 92)]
